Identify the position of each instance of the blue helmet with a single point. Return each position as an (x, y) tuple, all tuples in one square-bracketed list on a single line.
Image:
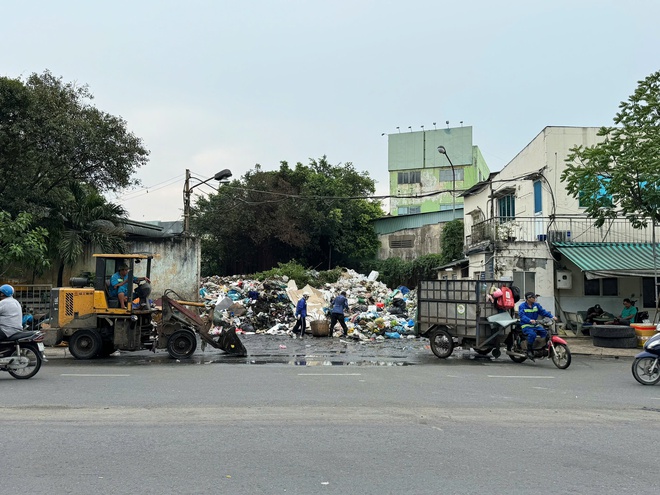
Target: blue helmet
[(7, 290)]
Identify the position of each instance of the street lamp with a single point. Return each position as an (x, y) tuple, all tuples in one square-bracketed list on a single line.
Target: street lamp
[(443, 151), (187, 189)]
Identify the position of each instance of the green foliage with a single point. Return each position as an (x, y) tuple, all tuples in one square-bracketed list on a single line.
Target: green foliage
[(451, 242), (329, 276), (85, 219), (292, 269), (395, 272), (302, 276), (303, 213), (621, 174), (51, 136), (58, 153), (22, 244)]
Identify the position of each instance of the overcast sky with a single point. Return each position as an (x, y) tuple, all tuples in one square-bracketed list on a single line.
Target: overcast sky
[(210, 85)]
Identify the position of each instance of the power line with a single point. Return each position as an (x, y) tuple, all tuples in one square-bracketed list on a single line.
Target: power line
[(145, 190)]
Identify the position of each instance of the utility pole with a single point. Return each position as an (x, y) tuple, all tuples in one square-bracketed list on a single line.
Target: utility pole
[(187, 189), (186, 203)]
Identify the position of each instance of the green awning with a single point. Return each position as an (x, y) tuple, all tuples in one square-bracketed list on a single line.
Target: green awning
[(600, 260)]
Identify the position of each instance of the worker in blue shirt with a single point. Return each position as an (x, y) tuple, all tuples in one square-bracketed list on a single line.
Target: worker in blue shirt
[(339, 304), (529, 312), (301, 315)]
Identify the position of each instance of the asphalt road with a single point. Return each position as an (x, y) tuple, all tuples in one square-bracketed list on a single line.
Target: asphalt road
[(143, 424)]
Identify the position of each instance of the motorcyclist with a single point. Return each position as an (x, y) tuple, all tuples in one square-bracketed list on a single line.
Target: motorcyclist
[(529, 312), (11, 313)]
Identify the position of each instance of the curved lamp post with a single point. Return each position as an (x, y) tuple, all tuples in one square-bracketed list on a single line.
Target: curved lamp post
[(187, 189), (443, 151)]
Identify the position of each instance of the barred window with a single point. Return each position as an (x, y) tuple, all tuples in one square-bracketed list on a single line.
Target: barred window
[(413, 177), (446, 175)]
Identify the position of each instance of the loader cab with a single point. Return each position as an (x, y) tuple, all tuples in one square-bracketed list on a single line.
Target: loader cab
[(139, 265)]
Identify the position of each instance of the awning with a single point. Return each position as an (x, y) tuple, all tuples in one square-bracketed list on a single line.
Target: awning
[(598, 260)]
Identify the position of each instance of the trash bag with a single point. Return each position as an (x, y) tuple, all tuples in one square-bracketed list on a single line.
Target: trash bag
[(399, 303)]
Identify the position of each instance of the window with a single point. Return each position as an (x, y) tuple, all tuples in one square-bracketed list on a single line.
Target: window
[(525, 281), (601, 287), (648, 284), (414, 177), (409, 210), (538, 197), (446, 175), (506, 206)]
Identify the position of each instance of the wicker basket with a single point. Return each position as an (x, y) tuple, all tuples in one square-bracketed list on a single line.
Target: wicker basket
[(320, 328)]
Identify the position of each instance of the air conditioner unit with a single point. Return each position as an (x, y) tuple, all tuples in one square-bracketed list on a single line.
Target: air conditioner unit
[(559, 236)]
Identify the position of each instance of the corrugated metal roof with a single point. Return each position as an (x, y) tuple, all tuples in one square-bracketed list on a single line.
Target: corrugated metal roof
[(612, 259), (387, 225)]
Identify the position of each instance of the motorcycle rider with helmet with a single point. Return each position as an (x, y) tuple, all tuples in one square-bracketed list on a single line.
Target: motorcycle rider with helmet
[(529, 312), (11, 313)]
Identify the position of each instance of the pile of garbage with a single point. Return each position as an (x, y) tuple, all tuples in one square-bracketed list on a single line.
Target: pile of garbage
[(376, 312)]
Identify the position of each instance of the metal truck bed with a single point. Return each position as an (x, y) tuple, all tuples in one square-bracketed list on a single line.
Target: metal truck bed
[(459, 307)]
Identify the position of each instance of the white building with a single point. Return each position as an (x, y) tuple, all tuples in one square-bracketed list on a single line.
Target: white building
[(522, 225)]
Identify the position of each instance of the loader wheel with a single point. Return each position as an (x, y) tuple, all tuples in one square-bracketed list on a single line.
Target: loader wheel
[(85, 344), (181, 344)]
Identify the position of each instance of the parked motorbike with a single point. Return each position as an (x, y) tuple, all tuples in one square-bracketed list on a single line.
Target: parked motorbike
[(551, 346), (22, 353), (646, 366)]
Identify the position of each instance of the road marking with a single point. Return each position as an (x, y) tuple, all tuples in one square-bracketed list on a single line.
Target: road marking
[(521, 376), (88, 374), (329, 374)]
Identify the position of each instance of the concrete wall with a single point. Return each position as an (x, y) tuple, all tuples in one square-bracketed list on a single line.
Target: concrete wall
[(176, 266), (426, 241)]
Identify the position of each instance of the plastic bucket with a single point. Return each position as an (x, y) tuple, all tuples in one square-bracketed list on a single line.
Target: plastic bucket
[(643, 331), (320, 328)]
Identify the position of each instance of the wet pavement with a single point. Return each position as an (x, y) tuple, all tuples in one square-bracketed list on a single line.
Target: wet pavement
[(315, 351)]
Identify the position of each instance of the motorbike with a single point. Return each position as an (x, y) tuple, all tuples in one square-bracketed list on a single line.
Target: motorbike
[(646, 366), (22, 353), (551, 346)]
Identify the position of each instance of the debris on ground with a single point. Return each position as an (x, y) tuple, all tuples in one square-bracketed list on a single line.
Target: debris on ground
[(376, 312)]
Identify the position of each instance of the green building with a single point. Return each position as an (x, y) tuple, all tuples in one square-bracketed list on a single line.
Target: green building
[(421, 178)]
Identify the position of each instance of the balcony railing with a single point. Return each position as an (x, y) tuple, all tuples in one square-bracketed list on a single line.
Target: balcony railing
[(559, 229)]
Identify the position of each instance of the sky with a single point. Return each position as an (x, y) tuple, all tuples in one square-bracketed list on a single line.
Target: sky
[(213, 85)]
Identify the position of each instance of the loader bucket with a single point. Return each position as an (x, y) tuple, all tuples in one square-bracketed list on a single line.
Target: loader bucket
[(227, 341)]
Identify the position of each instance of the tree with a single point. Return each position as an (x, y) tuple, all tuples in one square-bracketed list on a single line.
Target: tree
[(50, 136), (451, 241), (86, 219), (621, 174), (22, 245), (301, 213)]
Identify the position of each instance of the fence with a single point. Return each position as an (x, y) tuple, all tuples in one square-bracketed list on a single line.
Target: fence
[(34, 298), (557, 229)]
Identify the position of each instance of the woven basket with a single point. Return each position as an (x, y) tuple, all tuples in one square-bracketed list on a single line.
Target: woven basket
[(320, 328)]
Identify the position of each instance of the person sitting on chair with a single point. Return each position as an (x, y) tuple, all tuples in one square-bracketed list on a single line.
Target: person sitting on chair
[(594, 312), (627, 315), (119, 285)]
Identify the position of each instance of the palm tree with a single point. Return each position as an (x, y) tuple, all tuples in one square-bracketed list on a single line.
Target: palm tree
[(87, 220)]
